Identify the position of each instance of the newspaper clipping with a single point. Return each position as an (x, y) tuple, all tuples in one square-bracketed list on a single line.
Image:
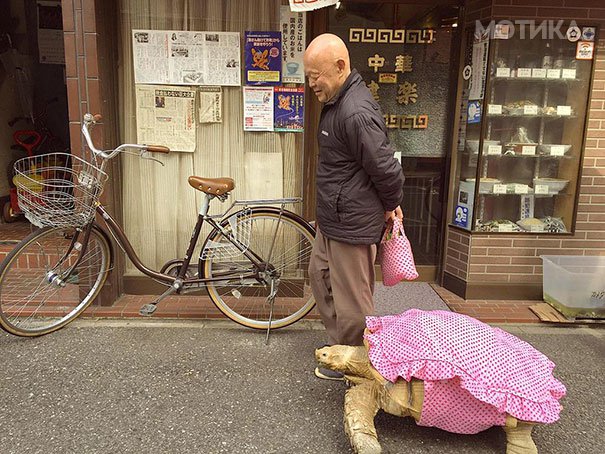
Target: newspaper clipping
[(211, 105), (166, 116), (186, 57)]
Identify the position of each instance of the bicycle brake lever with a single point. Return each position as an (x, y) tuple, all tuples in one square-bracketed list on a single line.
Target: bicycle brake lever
[(145, 155)]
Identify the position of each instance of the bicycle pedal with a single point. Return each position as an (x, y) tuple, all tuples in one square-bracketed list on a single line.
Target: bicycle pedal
[(148, 309)]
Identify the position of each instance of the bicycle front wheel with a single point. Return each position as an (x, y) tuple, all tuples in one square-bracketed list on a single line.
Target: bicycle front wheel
[(44, 283), (283, 242)]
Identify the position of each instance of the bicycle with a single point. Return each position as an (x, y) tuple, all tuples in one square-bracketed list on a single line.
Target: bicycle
[(253, 263)]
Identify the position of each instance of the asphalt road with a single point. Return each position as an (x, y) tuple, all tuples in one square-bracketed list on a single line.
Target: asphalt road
[(200, 387)]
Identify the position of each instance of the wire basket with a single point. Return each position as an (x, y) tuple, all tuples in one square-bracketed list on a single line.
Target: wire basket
[(239, 226), (58, 189)]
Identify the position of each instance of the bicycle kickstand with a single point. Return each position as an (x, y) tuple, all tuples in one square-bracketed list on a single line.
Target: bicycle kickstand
[(148, 309), (271, 301)]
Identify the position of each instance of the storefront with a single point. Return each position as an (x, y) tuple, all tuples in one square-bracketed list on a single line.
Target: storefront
[(415, 57)]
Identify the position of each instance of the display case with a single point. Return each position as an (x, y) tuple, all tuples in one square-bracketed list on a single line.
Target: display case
[(522, 131)]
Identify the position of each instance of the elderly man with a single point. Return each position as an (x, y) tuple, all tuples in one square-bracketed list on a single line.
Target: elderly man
[(359, 186)]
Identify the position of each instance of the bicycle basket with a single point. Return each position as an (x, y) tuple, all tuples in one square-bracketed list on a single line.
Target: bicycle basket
[(58, 189), (239, 226)]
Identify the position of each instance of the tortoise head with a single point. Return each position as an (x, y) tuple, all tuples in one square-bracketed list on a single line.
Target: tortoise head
[(350, 360)]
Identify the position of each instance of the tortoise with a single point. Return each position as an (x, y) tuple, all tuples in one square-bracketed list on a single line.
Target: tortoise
[(369, 391)]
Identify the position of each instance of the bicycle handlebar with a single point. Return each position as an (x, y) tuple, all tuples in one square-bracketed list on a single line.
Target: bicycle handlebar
[(90, 120)]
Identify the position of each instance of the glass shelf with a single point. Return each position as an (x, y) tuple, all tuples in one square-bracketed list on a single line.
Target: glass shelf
[(511, 127)]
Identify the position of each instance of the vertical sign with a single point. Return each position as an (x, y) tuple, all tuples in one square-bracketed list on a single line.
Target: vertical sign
[(293, 28)]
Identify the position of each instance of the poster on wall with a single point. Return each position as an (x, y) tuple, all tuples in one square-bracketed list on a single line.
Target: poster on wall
[(50, 33), (211, 105), (289, 109), (186, 57), (258, 108), (262, 59), (310, 5), (293, 31), (166, 116)]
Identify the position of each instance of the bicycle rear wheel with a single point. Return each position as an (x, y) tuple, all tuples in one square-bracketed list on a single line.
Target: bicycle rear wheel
[(43, 286), (285, 241)]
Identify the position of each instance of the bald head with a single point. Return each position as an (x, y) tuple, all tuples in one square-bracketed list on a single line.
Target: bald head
[(327, 65)]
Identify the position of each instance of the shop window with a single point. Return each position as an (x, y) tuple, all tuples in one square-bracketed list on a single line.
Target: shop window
[(523, 127)]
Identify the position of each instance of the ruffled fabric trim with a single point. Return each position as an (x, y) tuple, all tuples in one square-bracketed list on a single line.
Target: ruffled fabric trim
[(525, 389)]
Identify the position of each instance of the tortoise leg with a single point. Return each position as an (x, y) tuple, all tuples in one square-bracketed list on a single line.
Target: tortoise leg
[(518, 437), (361, 405)]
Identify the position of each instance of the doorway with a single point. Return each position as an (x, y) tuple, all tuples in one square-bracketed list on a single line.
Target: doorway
[(34, 113), (407, 55)]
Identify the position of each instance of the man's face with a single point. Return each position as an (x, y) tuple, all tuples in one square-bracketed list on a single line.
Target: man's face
[(323, 78)]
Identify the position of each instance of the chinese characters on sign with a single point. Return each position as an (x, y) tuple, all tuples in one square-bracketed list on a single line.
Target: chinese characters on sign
[(388, 69), (293, 28), (407, 93)]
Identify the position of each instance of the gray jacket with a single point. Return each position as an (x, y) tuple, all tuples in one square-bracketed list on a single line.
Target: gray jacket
[(358, 178)]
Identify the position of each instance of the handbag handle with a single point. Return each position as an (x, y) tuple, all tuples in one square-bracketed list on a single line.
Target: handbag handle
[(396, 229)]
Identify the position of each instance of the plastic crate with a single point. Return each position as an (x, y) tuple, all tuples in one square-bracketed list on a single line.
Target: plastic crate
[(575, 285)]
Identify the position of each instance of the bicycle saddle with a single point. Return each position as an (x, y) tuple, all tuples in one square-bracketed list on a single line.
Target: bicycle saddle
[(214, 186)]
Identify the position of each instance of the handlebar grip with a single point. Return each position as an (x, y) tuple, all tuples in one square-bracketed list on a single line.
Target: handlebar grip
[(158, 149)]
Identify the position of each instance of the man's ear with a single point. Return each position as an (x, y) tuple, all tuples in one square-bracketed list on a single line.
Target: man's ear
[(341, 65)]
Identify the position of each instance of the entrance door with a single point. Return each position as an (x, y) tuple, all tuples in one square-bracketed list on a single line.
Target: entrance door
[(407, 56)]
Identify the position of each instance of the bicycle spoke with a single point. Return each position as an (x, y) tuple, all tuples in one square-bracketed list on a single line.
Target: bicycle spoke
[(289, 244), (31, 304)]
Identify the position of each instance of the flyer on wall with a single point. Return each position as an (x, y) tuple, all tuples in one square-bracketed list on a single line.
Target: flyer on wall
[(50, 33), (289, 109), (263, 59), (258, 108), (211, 105)]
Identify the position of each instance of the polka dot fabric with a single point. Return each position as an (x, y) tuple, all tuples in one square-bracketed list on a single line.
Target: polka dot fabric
[(396, 258), (473, 374)]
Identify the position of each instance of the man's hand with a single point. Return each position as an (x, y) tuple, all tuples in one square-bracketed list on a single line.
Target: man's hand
[(390, 215)]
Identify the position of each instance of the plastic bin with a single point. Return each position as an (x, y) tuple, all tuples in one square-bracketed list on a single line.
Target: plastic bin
[(575, 285)]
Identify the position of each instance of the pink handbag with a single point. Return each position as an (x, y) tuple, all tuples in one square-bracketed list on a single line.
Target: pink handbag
[(396, 258)]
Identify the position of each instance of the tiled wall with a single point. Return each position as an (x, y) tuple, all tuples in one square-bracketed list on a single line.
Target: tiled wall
[(88, 40), (81, 68), (510, 259)]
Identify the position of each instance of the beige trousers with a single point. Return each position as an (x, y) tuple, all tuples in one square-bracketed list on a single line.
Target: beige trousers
[(342, 278)]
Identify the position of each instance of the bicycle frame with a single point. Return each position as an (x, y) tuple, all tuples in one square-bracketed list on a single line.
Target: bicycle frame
[(180, 280)]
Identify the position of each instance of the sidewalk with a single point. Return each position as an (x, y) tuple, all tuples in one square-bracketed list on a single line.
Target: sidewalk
[(200, 307)]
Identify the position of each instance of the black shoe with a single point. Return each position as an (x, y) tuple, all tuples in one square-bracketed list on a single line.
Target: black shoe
[(328, 374)]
